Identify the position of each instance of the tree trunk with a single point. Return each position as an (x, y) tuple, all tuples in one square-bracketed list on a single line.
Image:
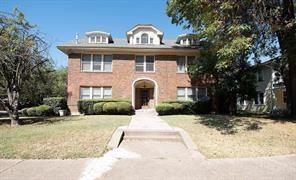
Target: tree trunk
[(287, 41), (12, 106)]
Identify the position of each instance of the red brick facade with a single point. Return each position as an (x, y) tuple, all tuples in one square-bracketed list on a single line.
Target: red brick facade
[(123, 75)]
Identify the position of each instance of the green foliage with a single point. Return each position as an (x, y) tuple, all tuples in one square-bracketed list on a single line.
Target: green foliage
[(165, 109), (85, 106), (236, 31), (124, 108), (42, 110), (110, 108), (98, 108), (46, 82), (56, 103), (31, 111), (24, 111), (184, 107)]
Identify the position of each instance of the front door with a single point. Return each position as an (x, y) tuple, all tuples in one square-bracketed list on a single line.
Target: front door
[(144, 98)]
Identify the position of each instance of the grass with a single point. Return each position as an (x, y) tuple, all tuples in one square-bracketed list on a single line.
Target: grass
[(60, 137), (218, 136)]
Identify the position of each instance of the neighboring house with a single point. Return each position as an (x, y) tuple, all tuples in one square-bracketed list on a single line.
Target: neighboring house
[(144, 68), (271, 93)]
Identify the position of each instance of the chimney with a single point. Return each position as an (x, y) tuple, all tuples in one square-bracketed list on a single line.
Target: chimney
[(76, 38)]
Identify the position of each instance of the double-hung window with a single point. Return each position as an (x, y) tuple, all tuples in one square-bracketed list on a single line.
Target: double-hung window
[(95, 92), (259, 100), (191, 93), (183, 62), (145, 63), (96, 62)]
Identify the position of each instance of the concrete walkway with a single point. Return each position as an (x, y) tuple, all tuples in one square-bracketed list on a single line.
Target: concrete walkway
[(148, 119)]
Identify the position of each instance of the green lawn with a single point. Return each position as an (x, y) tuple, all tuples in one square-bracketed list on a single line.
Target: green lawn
[(61, 137), (229, 136)]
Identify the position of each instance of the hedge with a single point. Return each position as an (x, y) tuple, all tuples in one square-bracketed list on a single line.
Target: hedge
[(98, 108), (165, 109), (124, 108), (110, 108), (42, 110), (56, 103), (184, 107), (85, 106)]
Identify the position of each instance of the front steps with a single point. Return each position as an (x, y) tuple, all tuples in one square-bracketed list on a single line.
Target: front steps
[(152, 134)]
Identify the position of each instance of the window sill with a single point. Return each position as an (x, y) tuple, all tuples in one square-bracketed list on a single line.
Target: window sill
[(142, 72), (96, 71)]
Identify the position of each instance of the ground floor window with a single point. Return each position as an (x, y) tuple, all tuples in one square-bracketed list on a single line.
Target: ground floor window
[(191, 93), (95, 92), (259, 100)]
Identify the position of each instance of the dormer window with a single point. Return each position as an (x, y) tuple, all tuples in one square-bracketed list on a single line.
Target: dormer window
[(144, 38), (144, 34), (187, 40), (99, 37)]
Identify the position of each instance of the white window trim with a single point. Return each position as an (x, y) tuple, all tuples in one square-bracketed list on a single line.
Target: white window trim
[(92, 63), (144, 69), (98, 40), (186, 64), (196, 92), (91, 91)]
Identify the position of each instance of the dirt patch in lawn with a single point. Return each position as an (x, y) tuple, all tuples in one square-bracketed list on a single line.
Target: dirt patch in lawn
[(230, 136)]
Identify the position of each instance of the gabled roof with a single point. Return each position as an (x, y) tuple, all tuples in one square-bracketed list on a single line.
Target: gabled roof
[(130, 32), (185, 35)]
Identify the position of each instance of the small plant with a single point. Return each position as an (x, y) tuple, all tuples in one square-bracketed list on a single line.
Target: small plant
[(56, 103)]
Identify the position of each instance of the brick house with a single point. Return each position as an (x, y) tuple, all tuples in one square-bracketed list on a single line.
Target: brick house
[(144, 68)]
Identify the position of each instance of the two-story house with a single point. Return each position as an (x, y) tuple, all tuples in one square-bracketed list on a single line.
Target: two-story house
[(271, 93), (144, 67)]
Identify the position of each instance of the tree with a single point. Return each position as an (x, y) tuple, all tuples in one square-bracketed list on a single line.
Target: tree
[(22, 53), (46, 82), (244, 29)]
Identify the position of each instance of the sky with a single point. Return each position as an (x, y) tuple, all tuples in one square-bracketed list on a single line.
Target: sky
[(60, 20)]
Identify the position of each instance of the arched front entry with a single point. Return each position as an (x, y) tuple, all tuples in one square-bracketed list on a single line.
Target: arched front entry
[(144, 93)]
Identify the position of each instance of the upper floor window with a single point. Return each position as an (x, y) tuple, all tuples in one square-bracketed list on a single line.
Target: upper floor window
[(183, 62), (145, 63), (144, 38), (138, 40), (191, 93), (151, 40), (260, 76), (96, 62), (95, 92), (97, 39)]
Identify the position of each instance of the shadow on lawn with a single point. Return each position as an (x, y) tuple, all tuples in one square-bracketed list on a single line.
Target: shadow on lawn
[(229, 124)]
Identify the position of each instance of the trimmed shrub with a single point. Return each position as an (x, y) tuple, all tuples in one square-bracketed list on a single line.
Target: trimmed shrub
[(124, 108), (42, 110), (56, 103), (165, 109), (85, 106), (31, 111), (98, 108), (178, 108), (24, 111), (110, 108), (187, 106)]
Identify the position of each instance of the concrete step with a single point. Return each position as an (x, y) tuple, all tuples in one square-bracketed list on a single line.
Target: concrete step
[(145, 134), (154, 138)]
